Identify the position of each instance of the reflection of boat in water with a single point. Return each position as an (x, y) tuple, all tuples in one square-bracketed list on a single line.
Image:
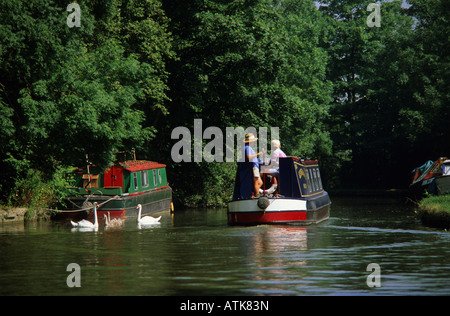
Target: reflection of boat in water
[(118, 190), (300, 197), (275, 239), (433, 177), (279, 240)]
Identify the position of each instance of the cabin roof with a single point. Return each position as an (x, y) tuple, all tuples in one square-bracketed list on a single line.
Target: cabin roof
[(137, 165), (303, 161)]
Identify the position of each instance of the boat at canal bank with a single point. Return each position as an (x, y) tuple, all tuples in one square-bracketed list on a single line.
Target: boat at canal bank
[(118, 191), (432, 177), (295, 195)]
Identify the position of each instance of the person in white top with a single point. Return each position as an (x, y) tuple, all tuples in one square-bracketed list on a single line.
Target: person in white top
[(272, 170), (276, 154)]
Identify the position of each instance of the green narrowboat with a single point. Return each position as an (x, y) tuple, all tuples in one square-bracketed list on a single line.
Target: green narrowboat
[(118, 190)]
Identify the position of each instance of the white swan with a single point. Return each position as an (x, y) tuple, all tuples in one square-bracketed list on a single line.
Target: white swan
[(114, 223), (87, 224), (146, 220)]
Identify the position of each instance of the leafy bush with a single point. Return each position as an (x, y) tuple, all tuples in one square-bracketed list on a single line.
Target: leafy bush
[(39, 193)]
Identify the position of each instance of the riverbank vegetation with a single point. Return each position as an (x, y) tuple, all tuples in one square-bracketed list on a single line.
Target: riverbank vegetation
[(39, 191), (435, 211), (369, 102)]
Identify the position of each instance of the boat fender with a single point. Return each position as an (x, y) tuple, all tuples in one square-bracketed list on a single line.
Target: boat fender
[(271, 190), (263, 202)]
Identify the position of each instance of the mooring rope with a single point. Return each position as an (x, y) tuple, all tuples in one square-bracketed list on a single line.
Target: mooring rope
[(85, 208)]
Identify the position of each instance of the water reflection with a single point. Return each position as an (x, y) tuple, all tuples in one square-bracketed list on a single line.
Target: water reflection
[(273, 241), (114, 262), (195, 252), (17, 227), (274, 258)]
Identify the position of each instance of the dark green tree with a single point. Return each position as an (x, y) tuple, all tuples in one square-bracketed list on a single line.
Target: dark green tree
[(246, 63), (390, 103), (370, 68), (66, 92), (426, 120)]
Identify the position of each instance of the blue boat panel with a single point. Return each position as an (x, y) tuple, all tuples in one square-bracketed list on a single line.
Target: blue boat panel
[(299, 178), (243, 184)]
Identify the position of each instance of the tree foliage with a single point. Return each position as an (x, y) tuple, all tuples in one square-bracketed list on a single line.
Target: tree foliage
[(66, 92), (355, 96), (389, 102), (247, 63)]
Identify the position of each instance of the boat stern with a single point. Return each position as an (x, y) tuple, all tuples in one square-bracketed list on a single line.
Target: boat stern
[(277, 210)]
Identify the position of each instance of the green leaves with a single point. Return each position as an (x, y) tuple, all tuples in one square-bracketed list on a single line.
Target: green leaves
[(89, 97), (388, 110), (253, 64), (246, 63), (134, 70), (75, 91)]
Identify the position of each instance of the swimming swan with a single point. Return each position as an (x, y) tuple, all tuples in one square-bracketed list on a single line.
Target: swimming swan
[(115, 222), (146, 220), (87, 224)]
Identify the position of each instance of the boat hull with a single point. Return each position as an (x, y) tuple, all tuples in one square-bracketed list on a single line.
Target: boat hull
[(118, 207), (439, 185), (280, 211), (442, 185)]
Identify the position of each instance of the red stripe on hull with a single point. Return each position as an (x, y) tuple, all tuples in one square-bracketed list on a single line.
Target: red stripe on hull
[(112, 214), (265, 217)]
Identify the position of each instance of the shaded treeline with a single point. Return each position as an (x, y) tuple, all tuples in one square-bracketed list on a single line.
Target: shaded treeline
[(370, 102)]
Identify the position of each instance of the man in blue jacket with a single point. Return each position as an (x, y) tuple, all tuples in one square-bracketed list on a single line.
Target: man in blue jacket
[(251, 156)]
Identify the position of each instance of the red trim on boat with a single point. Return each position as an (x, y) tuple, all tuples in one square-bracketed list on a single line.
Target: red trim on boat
[(303, 161), (138, 165), (112, 214)]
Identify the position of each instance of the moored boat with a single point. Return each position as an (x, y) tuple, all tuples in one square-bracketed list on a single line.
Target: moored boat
[(432, 177), (295, 195), (118, 190)]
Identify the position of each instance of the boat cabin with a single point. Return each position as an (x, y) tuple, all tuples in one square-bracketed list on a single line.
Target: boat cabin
[(296, 195), (297, 178), (300, 178), (126, 178)]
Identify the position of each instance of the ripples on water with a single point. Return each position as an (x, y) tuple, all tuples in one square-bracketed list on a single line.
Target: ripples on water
[(195, 252)]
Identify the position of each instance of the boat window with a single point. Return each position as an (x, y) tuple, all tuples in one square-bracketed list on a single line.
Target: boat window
[(317, 179), (144, 178), (320, 179), (154, 177), (313, 171), (308, 181), (159, 176), (135, 181)]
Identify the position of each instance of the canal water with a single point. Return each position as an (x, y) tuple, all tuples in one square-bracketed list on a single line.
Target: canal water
[(195, 252)]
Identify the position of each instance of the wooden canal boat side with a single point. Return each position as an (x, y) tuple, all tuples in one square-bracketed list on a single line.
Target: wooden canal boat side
[(118, 190)]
